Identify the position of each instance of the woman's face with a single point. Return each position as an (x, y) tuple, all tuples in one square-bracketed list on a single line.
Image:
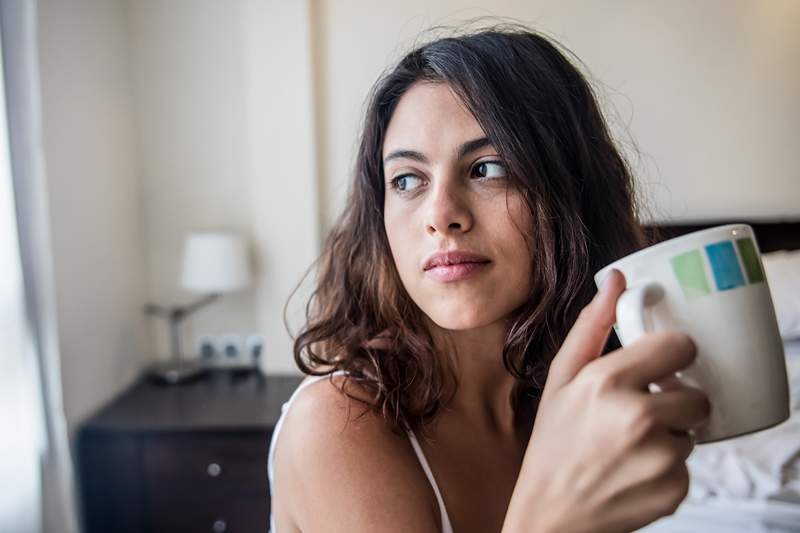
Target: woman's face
[(453, 222)]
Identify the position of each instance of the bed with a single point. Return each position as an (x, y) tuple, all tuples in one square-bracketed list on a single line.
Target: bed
[(751, 483)]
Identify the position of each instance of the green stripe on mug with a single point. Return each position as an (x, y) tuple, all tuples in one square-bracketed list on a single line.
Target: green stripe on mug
[(688, 268), (747, 251)]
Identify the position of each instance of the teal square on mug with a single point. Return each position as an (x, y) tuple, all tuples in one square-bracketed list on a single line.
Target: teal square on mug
[(725, 265)]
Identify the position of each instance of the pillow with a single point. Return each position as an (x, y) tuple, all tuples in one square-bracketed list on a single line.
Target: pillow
[(783, 276)]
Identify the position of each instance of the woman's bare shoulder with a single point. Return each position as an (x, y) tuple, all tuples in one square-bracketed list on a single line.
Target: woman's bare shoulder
[(340, 467)]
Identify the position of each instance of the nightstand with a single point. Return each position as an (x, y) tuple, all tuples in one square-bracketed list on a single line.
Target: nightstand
[(190, 457)]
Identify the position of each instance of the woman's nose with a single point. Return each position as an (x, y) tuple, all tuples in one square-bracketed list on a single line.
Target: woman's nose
[(449, 210)]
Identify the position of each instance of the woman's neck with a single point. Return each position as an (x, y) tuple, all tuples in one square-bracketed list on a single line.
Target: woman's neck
[(483, 396)]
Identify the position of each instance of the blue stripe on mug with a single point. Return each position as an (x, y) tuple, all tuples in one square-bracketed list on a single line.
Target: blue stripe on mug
[(725, 265)]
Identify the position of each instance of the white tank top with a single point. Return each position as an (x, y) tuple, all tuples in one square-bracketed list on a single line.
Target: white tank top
[(446, 527)]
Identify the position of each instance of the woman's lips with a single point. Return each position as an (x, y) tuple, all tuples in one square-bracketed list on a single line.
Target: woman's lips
[(454, 265), (456, 272)]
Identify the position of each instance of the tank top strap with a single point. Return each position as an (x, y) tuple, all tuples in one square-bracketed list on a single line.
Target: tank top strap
[(277, 429), (285, 407), (446, 526)]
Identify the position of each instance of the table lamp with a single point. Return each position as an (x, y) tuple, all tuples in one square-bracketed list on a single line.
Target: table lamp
[(213, 263)]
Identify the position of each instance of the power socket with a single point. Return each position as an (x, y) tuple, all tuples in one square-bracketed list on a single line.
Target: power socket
[(254, 349), (207, 349), (230, 349)]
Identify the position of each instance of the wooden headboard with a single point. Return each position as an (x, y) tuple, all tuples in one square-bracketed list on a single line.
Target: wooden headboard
[(771, 236)]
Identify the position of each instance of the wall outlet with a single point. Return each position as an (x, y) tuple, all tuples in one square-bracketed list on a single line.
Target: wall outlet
[(232, 349), (254, 349), (207, 349)]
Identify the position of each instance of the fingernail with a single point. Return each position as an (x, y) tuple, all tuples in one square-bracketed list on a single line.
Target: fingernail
[(604, 285)]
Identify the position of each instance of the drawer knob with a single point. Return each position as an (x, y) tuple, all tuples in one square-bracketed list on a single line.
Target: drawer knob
[(219, 526), (214, 470)]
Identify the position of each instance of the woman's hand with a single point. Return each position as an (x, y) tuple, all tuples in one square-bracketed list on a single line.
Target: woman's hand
[(605, 453)]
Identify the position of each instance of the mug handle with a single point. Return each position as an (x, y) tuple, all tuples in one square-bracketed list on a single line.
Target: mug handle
[(630, 323), (631, 307)]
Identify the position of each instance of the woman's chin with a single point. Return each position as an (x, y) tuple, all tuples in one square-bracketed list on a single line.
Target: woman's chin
[(461, 319)]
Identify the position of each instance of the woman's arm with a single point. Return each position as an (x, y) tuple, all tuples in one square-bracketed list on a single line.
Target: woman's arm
[(337, 472)]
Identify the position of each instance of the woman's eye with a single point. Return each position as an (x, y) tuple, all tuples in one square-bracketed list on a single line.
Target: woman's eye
[(489, 170), (406, 183)]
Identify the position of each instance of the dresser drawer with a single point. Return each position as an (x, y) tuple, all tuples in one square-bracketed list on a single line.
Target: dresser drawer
[(169, 459), (218, 465), (174, 514)]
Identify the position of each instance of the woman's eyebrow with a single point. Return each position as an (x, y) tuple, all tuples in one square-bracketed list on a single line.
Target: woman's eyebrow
[(463, 150), (471, 146), (406, 154)]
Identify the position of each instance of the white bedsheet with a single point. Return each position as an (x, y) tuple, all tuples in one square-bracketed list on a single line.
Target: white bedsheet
[(750, 483), (730, 516)]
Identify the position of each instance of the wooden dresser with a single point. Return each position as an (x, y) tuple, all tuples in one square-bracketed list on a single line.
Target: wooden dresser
[(191, 457)]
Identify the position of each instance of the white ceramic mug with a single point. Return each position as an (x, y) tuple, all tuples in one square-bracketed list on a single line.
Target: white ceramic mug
[(710, 284)]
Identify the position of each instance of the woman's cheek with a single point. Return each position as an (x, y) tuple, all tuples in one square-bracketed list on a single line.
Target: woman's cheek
[(402, 252)]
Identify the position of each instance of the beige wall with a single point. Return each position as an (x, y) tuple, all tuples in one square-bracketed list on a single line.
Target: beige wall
[(188, 72), (224, 107), (164, 116), (281, 152), (708, 90), (223, 94), (94, 198)]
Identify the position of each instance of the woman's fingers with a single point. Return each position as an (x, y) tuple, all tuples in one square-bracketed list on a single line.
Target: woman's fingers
[(588, 335), (679, 410), (661, 451), (668, 383), (652, 358)]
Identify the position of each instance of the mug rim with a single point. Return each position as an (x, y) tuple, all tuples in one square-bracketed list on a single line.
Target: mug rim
[(664, 244)]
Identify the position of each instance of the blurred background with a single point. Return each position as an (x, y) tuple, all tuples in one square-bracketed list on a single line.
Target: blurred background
[(135, 124)]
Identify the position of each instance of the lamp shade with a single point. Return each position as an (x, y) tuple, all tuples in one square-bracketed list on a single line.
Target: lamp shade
[(215, 262)]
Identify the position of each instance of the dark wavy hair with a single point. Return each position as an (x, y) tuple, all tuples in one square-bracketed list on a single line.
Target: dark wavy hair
[(541, 115)]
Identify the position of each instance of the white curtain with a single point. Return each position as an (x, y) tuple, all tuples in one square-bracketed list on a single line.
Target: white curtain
[(35, 464), (21, 414)]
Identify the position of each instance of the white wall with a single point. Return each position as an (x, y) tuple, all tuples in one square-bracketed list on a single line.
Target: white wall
[(187, 70), (709, 89), (94, 198), (165, 116), (223, 99), (281, 151)]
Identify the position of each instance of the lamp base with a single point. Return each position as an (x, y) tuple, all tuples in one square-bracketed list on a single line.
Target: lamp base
[(176, 372)]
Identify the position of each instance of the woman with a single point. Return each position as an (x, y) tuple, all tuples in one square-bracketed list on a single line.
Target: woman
[(487, 191)]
